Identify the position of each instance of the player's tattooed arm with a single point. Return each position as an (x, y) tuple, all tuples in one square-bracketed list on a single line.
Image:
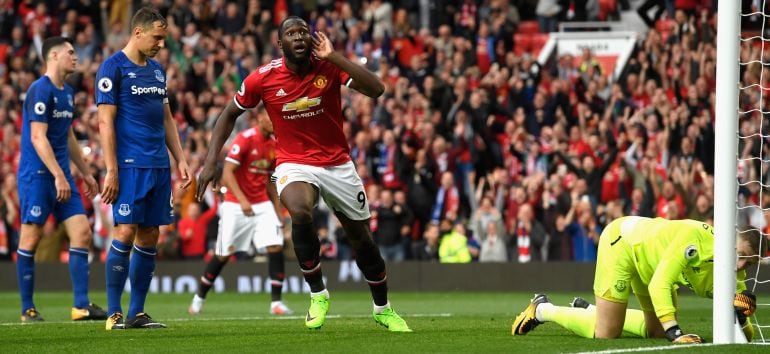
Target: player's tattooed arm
[(364, 81), (222, 129)]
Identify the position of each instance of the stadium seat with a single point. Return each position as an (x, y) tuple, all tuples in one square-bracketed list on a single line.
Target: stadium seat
[(607, 8), (537, 42), (521, 43), (529, 43), (528, 27)]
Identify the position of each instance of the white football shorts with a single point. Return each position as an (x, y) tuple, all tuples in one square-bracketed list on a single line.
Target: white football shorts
[(340, 186), (237, 232)]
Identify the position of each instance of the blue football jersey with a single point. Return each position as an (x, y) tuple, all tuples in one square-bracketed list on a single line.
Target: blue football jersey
[(48, 104), (139, 93)]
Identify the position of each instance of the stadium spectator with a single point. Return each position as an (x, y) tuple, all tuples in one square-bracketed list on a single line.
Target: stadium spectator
[(529, 241), (493, 247), (426, 249), (453, 247), (391, 217), (192, 231), (547, 14), (250, 215)]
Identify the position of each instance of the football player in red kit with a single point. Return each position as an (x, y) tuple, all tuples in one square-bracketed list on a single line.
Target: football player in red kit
[(301, 93), (249, 214)]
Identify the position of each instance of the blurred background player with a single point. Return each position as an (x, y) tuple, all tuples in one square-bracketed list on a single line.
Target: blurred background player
[(249, 213), (652, 257), (301, 93), (136, 126), (47, 145)]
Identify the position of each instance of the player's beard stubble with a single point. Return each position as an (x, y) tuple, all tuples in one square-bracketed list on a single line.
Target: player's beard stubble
[(301, 62), (298, 60)]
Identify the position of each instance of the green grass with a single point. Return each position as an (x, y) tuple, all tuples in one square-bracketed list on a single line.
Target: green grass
[(442, 322)]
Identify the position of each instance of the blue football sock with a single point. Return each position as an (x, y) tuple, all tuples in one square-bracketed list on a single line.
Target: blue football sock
[(79, 274), (25, 271), (140, 274), (116, 270)]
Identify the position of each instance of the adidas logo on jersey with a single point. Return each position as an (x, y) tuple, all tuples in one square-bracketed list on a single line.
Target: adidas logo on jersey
[(280, 93)]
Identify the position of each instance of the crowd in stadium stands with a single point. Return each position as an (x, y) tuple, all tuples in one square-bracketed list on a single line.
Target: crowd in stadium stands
[(475, 152)]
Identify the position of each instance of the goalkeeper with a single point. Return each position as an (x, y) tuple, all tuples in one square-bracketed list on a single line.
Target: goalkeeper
[(652, 257)]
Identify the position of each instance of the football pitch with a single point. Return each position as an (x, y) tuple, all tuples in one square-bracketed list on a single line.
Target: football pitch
[(444, 322)]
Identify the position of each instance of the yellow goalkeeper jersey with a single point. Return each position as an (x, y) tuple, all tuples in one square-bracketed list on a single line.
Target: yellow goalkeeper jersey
[(668, 253)]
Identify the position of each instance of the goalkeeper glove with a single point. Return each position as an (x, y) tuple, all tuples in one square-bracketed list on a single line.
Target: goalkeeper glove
[(675, 335), (745, 304)]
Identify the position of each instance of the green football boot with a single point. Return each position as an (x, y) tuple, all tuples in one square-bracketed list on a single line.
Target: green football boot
[(316, 314), (391, 320)]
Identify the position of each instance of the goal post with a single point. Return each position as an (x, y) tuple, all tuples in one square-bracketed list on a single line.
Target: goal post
[(725, 168)]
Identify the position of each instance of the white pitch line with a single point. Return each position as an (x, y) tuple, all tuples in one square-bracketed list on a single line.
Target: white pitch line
[(663, 347), (247, 318)]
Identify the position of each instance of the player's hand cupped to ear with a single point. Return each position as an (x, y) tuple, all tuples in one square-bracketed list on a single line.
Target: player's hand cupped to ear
[(322, 46)]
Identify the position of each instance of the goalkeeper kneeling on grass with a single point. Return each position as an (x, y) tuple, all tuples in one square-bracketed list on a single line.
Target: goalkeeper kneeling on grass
[(650, 257)]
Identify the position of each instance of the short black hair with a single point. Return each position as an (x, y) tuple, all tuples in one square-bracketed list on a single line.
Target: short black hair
[(146, 16), (287, 22), (53, 42)]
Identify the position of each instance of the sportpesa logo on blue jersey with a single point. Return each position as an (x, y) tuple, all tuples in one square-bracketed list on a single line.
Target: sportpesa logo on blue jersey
[(138, 90)]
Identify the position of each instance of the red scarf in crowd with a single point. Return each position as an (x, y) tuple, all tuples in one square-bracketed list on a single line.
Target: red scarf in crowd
[(522, 240)]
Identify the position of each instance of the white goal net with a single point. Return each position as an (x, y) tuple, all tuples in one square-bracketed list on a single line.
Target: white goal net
[(743, 133)]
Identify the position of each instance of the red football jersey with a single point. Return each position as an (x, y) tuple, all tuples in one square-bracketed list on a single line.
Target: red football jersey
[(306, 111), (255, 156)]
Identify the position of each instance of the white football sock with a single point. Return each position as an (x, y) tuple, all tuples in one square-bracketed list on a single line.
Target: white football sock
[(324, 291), (379, 309), (539, 310)]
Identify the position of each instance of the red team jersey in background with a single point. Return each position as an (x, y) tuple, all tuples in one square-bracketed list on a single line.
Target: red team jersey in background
[(255, 156), (306, 111)]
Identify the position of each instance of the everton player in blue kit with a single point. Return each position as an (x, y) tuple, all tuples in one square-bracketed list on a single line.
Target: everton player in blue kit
[(136, 127), (47, 145)]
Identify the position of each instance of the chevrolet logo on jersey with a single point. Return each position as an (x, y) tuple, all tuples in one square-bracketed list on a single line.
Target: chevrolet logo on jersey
[(302, 104)]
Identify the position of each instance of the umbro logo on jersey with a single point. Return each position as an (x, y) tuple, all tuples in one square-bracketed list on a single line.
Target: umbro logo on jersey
[(280, 93), (132, 75)]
